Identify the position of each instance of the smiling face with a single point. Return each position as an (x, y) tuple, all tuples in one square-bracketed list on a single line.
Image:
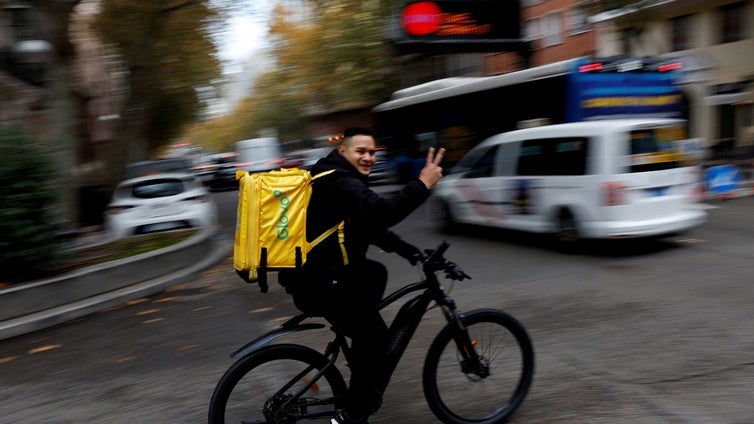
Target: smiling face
[(360, 151)]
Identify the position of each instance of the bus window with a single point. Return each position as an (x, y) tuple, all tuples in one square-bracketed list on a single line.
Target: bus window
[(426, 140)]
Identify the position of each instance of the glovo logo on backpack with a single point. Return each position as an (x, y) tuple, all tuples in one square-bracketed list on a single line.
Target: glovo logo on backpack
[(282, 227)]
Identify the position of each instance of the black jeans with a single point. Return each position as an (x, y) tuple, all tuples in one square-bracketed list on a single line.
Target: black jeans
[(348, 300)]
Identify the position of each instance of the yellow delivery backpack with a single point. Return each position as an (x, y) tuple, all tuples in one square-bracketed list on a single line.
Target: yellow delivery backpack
[(271, 223)]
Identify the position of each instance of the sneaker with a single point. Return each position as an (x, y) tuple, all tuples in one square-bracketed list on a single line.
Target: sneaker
[(343, 417)]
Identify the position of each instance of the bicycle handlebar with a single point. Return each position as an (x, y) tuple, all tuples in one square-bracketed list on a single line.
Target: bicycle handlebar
[(434, 261)]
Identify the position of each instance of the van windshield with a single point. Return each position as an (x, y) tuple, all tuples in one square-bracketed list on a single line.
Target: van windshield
[(469, 161), (655, 149)]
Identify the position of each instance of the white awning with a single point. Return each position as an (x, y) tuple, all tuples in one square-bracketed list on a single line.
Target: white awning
[(727, 99)]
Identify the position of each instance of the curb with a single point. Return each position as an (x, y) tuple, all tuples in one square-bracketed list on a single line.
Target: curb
[(38, 305)]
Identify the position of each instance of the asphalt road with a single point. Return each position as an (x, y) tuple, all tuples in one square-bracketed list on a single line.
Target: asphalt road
[(654, 332)]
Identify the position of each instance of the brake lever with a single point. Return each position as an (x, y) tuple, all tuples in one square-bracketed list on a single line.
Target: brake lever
[(454, 272)]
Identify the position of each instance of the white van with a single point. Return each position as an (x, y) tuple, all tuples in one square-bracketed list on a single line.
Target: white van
[(259, 154), (584, 180)]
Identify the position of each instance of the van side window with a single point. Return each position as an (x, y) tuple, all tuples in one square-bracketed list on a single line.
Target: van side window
[(532, 159), (485, 166), (553, 156)]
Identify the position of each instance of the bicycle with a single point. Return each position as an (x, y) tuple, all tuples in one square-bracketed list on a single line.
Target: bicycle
[(478, 368)]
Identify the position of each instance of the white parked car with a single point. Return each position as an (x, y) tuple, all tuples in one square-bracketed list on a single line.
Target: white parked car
[(587, 180), (159, 202)]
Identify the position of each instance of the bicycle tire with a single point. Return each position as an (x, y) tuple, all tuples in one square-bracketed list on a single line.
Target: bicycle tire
[(458, 398), (245, 392)]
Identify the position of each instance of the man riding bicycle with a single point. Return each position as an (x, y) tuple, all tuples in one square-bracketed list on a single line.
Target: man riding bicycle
[(345, 287)]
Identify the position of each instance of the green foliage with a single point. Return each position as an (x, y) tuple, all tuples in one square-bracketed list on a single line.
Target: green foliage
[(168, 51), (28, 239), (333, 61)]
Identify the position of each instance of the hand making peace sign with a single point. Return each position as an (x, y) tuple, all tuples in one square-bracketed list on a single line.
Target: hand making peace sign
[(431, 174)]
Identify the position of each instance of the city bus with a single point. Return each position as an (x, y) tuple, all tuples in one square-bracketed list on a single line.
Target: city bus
[(458, 113)]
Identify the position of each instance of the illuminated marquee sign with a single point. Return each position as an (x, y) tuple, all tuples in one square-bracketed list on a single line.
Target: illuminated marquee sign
[(459, 26)]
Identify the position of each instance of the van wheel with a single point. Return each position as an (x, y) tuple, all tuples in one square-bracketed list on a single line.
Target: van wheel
[(567, 236)]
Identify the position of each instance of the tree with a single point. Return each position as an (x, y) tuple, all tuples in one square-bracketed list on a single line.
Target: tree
[(332, 61), (27, 234), (62, 105), (167, 49)]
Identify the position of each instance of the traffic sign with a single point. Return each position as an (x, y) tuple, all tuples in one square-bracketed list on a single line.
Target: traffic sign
[(723, 179)]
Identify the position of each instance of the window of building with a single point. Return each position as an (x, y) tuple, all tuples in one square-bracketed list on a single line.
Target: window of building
[(681, 37), (746, 112), (463, 65), (577, 20), (625, 41), (531, 29), (732, 22), (551, 26)]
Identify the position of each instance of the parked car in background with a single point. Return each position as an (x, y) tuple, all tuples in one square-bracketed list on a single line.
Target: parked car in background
[(586, 180), (224, 177), (159, 166), (206, 166), (159, 202)]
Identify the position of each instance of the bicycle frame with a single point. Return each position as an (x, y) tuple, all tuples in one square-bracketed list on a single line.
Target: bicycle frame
[(403, 326), (409, 317)]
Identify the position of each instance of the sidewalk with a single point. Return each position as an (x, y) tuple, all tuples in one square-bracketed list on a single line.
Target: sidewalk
[(34, 306)]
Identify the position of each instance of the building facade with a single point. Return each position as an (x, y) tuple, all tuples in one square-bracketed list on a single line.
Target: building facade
[(554, 29), (23, 55)]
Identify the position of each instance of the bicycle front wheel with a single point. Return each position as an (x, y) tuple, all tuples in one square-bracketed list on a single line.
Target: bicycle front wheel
[(458, 394), (278, 385)]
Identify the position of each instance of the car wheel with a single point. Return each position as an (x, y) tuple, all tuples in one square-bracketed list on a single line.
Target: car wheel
[(567, 236)]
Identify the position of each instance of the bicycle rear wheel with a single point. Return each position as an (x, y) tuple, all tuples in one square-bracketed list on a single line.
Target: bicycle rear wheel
[(459, 396), (262, 388)]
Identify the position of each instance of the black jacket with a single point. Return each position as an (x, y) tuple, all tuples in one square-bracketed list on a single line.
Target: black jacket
[(345, 195)]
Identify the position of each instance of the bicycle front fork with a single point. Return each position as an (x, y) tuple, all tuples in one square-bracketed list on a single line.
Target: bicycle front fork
[(471, 362)]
